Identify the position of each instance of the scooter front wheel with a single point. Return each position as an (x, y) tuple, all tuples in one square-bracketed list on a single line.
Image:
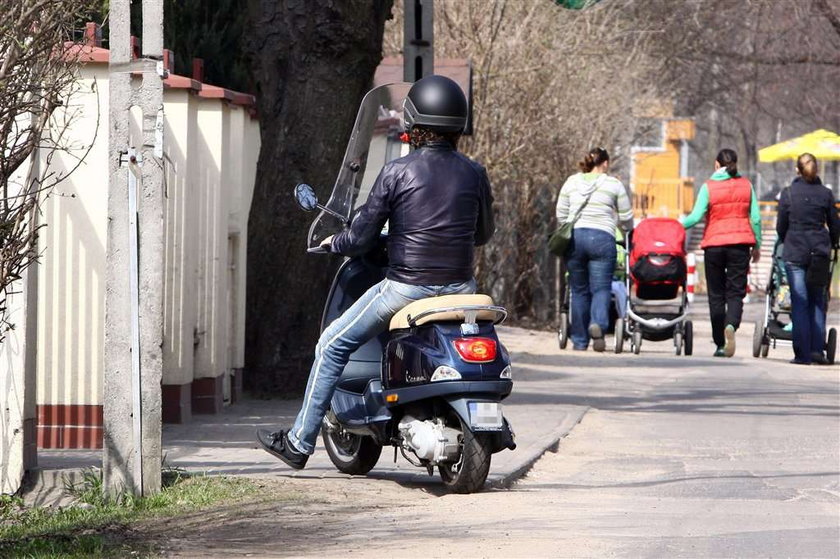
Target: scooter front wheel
[(351, 454), (470, 472)]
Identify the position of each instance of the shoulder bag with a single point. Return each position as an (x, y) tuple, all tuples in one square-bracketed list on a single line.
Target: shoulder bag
[(561, 238), (818, 272)]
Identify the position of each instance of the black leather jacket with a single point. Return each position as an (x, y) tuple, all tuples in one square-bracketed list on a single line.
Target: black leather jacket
[(807, 221), (438, 206)]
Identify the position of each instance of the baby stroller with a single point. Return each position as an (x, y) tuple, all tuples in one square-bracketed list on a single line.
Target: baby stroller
[(565, 318), (775, 328), (657, 304)]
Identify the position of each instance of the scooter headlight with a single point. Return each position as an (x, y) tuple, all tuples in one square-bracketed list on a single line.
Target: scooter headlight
[(506, 373), (445, 373)]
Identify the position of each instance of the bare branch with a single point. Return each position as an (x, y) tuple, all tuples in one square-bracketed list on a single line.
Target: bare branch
[(38, 74)]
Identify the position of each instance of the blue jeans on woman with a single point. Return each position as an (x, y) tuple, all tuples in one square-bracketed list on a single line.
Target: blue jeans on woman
[(366, 318), (807, 314), (591, 262)]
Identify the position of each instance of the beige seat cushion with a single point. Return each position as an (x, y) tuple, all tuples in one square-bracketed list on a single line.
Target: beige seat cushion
[(400, 319)]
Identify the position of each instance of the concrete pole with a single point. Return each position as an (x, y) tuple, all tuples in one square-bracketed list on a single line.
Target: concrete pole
[(130, 464), (151, 208)]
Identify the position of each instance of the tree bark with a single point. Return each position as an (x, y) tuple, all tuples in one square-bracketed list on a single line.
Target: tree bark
[(312, 62)]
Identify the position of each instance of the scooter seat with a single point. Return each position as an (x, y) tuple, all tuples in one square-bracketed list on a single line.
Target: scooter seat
[(449, 310)]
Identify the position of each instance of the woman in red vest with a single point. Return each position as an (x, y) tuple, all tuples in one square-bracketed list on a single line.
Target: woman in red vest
[(733, 232)]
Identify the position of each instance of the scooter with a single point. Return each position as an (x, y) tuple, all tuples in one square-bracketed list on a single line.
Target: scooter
[(432, 385)]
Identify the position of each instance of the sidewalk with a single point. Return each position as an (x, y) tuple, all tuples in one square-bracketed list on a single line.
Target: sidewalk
[(224, 443), (542, 409)]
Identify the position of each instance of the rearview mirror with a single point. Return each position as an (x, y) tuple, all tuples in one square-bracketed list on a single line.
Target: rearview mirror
[(306, 197)]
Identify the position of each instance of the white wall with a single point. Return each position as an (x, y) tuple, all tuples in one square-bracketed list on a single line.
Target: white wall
[(210, 151), (71, 297)]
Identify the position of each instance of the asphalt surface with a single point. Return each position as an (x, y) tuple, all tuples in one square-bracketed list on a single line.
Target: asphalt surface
[(675, 457), (649, 455)]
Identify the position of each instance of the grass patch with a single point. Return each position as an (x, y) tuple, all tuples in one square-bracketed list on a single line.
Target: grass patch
[(88, 528)]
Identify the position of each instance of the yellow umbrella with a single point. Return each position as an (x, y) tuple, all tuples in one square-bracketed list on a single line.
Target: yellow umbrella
[(823, 144)]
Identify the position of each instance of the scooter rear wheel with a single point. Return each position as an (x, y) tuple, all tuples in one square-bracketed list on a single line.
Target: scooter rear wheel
[(470, 472), (351, 454)]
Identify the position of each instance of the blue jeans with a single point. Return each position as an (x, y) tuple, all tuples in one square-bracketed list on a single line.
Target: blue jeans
[(619, 292), (591, 262), (366, 318), (807, 314)]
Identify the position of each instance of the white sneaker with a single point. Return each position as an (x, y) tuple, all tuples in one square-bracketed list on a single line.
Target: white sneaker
[(729, 335)]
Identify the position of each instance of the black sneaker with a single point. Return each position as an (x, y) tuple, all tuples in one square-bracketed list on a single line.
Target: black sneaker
[(598, 342), (277, 443), (819, 358)]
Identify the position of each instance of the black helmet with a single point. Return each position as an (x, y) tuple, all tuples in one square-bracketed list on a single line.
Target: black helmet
[(437, 103)]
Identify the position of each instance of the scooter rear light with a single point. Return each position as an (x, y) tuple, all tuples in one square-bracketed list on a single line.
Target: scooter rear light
[(476, 350)]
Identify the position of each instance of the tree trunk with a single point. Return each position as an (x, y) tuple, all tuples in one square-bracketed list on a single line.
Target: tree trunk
[(312, 62)]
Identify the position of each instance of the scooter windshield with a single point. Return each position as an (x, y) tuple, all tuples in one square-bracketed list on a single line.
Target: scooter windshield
[(374, 141)]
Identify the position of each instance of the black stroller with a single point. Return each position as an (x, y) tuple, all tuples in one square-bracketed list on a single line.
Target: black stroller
[(565, 319), (775, 329)]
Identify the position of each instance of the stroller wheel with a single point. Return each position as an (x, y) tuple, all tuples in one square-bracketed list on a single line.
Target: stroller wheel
[(831, 346), (619, 335), (758, 338), (678, 342), (563, 331), (765, 349), (688, 338), (637, 342)]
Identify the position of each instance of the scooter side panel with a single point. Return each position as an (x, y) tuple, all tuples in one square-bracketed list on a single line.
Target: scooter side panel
[(412, 356), (357, 409), (354, 277)]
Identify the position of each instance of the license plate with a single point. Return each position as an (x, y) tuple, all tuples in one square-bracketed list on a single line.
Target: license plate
[(486, 416)]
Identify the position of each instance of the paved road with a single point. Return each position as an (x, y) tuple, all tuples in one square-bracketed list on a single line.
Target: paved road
[(702, 457), (676, 456)]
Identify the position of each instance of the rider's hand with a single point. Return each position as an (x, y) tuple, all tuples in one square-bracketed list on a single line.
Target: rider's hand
[(327, 243), (756, 254)]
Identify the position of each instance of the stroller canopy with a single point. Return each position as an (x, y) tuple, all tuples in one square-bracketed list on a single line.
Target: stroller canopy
[(657, 252), (658, 235)]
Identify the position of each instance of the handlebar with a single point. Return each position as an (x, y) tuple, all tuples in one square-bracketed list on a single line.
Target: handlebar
[(318, 250)]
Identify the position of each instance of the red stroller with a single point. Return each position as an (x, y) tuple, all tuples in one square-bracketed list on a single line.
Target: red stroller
[(657, 303)]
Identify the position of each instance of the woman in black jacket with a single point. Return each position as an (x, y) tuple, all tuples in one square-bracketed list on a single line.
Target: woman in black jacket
[(808, 226)]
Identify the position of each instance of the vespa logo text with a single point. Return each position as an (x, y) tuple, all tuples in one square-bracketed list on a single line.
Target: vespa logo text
[(411, 377)]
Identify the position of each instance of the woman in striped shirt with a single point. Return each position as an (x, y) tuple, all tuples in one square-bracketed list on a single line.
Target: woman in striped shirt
[(601, 203)]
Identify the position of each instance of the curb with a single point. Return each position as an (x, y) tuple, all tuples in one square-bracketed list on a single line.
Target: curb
[(48, 488), (537, 450)]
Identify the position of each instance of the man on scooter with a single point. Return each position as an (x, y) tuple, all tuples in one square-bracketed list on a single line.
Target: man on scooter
[(438, 206)]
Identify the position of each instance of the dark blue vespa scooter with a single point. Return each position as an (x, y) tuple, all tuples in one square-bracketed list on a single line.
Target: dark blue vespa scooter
[(432, 385)]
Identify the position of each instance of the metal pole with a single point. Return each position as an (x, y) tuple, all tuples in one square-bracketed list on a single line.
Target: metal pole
[(418, 39), (134, 295)]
